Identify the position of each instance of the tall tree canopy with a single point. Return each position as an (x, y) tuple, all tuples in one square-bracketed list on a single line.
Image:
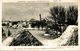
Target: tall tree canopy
[(58, 13), (72, 15)]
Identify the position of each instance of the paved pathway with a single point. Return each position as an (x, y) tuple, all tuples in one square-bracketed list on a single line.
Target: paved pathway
[(40, 36)]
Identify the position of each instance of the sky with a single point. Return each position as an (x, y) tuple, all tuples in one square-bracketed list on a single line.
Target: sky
[(27, 10)]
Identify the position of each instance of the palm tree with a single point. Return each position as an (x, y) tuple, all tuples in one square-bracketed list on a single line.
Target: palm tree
[(58, 15), (72, 15)]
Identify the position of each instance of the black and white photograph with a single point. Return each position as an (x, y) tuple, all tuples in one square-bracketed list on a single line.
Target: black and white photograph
[(39, 24)]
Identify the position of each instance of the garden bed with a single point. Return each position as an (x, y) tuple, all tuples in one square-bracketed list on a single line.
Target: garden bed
[(25, 39)]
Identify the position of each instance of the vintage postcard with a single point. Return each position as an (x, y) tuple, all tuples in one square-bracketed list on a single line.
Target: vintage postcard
[(40, 24)]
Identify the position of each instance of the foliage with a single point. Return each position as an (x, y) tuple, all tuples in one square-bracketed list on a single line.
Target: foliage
[(9, 32), (58, 15), (72, 15), (38, 24), (63, 17), (25, 38)]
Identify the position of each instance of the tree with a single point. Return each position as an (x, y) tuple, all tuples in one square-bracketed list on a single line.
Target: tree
[(43, 23), (38, 24), (33, 24), (3, 32), (58, 15), (9, 32), (72, 15), (32, 20)]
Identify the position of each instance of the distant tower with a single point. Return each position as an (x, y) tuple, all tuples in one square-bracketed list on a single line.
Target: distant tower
[(40, 16)]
